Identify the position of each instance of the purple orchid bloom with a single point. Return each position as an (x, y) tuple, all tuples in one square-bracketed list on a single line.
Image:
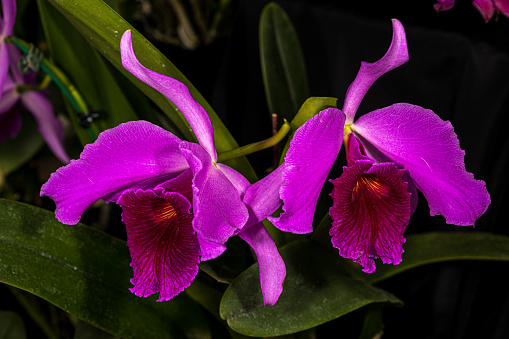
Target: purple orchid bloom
[(6, 26), (179, 205), (486, 8), (36, 102), (391, 152)]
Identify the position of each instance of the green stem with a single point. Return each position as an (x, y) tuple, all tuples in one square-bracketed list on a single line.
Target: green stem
[(257, 146), (59, 78)]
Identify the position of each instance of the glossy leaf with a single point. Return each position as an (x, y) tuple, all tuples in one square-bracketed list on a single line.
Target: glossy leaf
[(315, 291), (283, 66), (434, 247), (86, 273), (11, 326), (15, 152), (87, 71), (103, 27)]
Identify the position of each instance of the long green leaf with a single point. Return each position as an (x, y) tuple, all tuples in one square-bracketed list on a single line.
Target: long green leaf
[(434, 247), (86, 273), (283, 66), (103, 27), (315, 291)]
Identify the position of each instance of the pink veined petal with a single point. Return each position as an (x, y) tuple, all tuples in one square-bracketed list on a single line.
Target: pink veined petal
[(238, 180), (175, 91), (443, 5), (217, 207), (262, 198), (164, 248), (182, 184), (486, 8), (427, 147), (271, 266), (502, 6), (370, 211), (354, 150), (396, 55), (313, 150), (133, 155), (49, 126), (9, 16)]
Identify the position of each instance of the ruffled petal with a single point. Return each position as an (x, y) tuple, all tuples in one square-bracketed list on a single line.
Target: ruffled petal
[(271, 266), (262, 198), (8, 18), (427, 147), (486, 8), (164, 248), (443, 5), (49, 126), (133, 155), (396, 55), (370, 211), (312, 153), (217, 207), (175, 91)]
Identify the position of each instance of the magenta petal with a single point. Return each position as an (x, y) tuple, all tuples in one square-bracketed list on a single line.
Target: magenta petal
[(271, 266), (262, 198), (312, 153), (175, 91), (4, 66), (49, 126), (485, 7), (135, 154), (217, 207), (396, 55), (427, 147), (370, 211), (164, 248), (8, 17), (209, 250), (502, 6), (443, 5)]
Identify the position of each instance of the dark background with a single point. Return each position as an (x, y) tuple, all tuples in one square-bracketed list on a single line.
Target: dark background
[(459, 68)]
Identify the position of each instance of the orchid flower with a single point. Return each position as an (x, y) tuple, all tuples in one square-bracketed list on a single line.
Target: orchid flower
[(485, 7), (391, 152), (179, 205), (6, 26), (17, 91)]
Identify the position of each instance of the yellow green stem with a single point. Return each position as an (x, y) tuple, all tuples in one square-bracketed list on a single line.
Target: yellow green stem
[(257, 146)]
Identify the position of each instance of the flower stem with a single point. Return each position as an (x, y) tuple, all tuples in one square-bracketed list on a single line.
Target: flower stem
[(257, 146), (59, 78)]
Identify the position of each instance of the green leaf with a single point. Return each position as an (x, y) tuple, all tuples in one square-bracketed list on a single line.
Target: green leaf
[(15, 152), (283, 66), (103, 27), (86, 273), (87, 71), (86, 331), (433, 247), (11, 326), (373, 325), (315, 291), (309, 109)]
